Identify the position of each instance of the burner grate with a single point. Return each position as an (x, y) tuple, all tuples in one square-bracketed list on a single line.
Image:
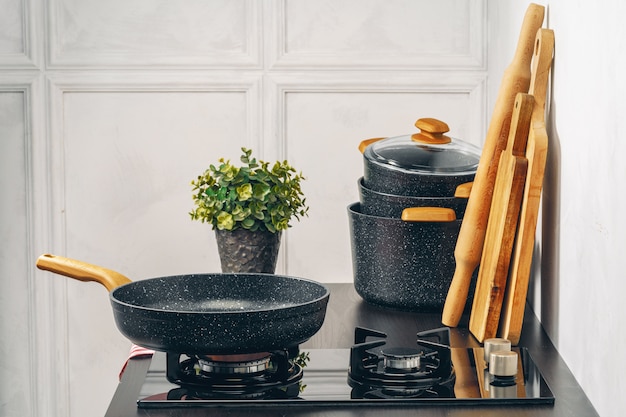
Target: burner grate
[(401, 372), (275, 375)]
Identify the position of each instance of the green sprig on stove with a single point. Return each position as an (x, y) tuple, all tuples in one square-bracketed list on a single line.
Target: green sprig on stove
[(254, 196)]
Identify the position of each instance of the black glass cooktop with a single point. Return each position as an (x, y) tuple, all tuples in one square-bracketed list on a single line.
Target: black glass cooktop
[(324, 381)]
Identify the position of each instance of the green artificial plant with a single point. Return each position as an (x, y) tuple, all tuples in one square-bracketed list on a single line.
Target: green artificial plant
[(254, 196)]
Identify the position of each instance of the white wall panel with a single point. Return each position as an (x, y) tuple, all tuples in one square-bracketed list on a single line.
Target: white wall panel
[(17, 21), (20, 330), (321, 121), (219, 33), (15, 306), (126, 161), (380, 33), (11, 27)]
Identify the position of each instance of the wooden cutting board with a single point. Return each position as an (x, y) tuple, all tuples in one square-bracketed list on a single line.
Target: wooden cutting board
[(471, 237), (502, 224), (536, 153)]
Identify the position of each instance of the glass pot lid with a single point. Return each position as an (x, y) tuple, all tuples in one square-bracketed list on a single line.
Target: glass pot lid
[(429, 151)]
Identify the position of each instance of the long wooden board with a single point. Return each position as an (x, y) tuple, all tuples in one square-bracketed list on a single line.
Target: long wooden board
[(536, 154), (471, 237), (502, 224)]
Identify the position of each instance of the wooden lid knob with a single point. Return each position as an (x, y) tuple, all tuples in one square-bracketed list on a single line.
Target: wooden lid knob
[(431, 131)]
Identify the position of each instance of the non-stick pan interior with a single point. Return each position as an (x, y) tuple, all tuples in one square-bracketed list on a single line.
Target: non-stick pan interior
[(219, 293)]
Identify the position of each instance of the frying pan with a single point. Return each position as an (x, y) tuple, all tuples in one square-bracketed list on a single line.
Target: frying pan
[(218, 313)]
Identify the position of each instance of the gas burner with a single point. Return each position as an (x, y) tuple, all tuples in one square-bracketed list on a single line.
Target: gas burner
[(255, 376), (247, 364), (401, 372), (401, 359)]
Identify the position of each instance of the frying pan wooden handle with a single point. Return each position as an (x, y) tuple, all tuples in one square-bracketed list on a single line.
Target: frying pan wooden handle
[(469, 245), (81, 271)]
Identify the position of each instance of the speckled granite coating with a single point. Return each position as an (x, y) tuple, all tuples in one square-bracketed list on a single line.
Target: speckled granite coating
[(390, 205), (220, 313), (407, 266), (383, 179)]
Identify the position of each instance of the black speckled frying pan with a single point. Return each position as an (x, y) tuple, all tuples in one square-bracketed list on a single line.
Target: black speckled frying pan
[(217, 313)]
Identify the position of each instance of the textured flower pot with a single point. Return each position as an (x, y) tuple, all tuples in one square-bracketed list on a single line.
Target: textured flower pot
[(244, 251)]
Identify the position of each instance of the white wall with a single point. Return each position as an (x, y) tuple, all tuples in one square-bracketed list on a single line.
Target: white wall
[(109, 109), (579, 297), (106, 113)]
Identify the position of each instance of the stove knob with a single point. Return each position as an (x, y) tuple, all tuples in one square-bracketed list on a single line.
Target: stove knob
[(503, 364), (494, 345)]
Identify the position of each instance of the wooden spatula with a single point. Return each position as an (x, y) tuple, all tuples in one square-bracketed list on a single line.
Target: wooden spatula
[(472, 234), (502, 224), (536, 153)]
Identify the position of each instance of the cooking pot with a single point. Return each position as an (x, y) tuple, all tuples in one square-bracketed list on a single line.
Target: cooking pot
[(404, 263), (427, 163), (217, 313), (377, 203)]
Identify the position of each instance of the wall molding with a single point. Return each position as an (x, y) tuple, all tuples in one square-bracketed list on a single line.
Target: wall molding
[(475, 57), (52, 300), (28, 57), (40, 370), (279, 85), (248, 57)]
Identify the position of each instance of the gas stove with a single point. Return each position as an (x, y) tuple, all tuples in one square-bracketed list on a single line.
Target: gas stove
[(369, 373)]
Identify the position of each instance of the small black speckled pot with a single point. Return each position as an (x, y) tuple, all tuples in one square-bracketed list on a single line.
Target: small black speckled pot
[(381, 178), (381, 204), (403, 265)]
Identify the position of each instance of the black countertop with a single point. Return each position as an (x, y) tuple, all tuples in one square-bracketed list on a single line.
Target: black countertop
[(347, 310)]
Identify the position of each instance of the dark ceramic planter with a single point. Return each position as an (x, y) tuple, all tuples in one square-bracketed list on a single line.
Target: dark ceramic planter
[(403, 265), (244, 251)]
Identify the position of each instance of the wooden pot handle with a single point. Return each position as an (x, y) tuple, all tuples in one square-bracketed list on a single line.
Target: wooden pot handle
[(367, 142), (428, 214)]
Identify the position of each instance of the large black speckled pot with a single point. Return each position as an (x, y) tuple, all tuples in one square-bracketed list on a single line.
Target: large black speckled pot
[(207, 313), (403, 265), (381, 204)]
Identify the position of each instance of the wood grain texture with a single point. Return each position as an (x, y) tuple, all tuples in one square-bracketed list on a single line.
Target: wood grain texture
[(536, 152), (502, 224), (469, 246)]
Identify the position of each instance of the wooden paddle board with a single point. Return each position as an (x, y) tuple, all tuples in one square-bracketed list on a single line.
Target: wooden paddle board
[(502, 224), (536, 154)]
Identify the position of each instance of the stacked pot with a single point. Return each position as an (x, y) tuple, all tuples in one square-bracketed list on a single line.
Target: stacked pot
[(413, 195)]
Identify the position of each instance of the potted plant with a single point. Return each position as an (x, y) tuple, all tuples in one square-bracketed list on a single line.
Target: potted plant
[(248, 206)]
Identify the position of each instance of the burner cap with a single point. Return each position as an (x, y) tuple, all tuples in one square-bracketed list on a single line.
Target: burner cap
[(401, 358), (234, 364)]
